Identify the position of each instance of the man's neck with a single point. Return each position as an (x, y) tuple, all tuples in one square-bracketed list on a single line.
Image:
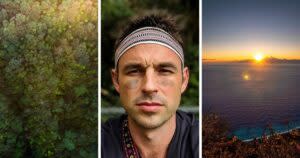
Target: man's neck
[(153, 142)]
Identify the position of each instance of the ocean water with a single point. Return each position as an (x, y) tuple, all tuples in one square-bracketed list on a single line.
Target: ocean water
[(251, 97)]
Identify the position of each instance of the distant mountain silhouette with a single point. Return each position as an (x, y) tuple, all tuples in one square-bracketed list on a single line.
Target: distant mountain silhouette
[(272, 60)]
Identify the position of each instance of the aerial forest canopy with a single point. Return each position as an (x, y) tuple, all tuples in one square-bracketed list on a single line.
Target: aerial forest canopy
[(48, 78)]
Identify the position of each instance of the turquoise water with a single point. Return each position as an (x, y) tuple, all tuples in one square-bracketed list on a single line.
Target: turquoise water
[(252, 97)]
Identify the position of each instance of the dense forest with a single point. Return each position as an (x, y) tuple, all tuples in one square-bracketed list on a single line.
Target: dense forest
[(48, 78), (115, 14)]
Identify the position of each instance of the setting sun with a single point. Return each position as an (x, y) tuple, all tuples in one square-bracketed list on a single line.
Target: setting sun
[(258, 57)]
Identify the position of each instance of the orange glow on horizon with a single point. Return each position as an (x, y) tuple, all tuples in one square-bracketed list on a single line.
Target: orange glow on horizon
[(224, 56)]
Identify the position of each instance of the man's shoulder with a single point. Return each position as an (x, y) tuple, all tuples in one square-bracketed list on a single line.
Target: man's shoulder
[(111, 137), (186, 139), (189, 119), (111, 123), (112, 126)]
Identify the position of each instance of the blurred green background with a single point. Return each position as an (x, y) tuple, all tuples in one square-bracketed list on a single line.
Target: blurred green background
[(48, 78), (115, 14)]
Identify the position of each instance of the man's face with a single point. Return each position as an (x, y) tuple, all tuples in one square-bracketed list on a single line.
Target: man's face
[(150, 81)]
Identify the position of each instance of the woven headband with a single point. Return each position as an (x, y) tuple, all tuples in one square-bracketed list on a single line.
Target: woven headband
[(149, 35)]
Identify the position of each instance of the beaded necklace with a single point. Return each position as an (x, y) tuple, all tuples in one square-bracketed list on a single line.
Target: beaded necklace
[(129, 148)]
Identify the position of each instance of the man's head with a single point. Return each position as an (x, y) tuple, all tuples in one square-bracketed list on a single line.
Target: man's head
[(149, 70)]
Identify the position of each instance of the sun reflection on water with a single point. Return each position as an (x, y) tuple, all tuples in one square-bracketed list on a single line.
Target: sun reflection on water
[(246, 77)]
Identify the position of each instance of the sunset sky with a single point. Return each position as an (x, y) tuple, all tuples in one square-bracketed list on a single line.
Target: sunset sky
[(240, 29)]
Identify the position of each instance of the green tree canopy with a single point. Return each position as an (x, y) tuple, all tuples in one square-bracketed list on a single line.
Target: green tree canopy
[(48, 78)]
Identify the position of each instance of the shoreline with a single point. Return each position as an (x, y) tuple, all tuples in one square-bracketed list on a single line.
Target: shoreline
[(269, 135)]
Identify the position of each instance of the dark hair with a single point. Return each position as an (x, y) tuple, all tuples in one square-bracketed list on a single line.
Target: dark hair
[(164, 22)]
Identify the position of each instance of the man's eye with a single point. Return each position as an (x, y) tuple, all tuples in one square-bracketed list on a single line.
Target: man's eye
[(132, 72), (165, 71)]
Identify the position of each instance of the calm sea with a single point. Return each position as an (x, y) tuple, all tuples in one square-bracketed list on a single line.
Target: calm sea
[(251, 97)]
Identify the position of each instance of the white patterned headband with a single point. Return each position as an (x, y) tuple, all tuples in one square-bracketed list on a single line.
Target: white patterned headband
[(149, 35)]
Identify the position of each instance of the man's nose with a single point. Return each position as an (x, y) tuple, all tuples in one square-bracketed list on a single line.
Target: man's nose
[(149, 82)]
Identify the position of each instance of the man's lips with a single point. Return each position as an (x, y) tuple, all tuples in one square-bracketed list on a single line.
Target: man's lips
[(149, 106)]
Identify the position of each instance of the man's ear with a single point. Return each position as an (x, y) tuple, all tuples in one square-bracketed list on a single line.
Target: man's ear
[(186, 76), (114, 76)]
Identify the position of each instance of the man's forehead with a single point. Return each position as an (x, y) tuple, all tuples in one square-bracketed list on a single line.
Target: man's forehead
[(147, 54)]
